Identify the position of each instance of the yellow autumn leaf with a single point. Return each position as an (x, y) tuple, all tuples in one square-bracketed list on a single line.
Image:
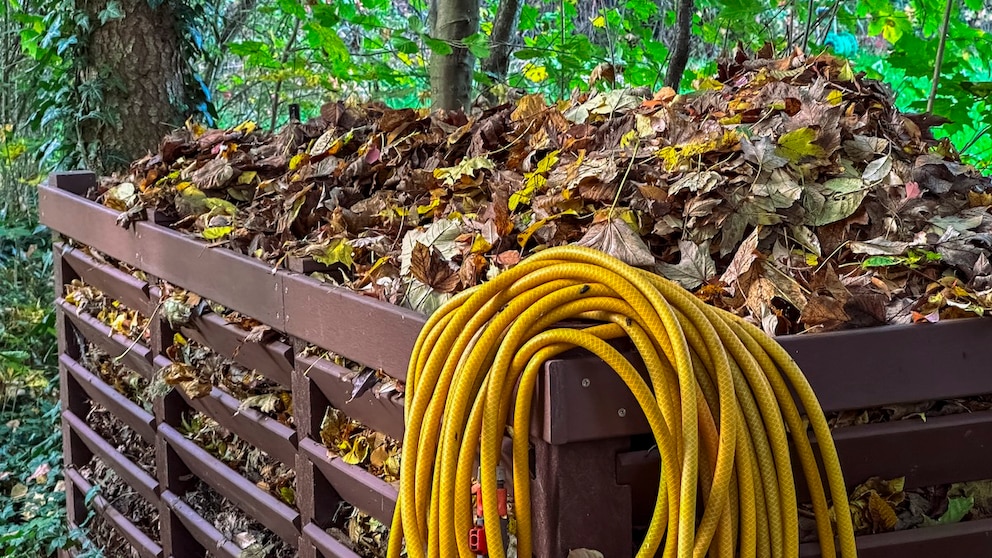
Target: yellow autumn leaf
[(247, 177), (195, 128), (220, 207), (338, 251), (523, 196), (524, 237), (480, 245), (846, 73), (835, 97), (629, 216), (548, 162), (709, 84), (797, 144), (599, 22), (371, 273), (451, 175), (535, 73), (359, 451), (670, 157), (629, 139), (216, 233), (297, 160), (340, 142), (424, 209), (118, 323), (246, 127)]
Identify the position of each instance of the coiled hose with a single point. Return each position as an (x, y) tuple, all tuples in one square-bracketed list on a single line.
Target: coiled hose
[(719, 405)]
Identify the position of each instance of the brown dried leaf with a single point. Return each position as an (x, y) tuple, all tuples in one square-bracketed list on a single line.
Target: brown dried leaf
[(695, 266), (431, 269), (214, 175), (823, 312), (615, 238), (186, 377)]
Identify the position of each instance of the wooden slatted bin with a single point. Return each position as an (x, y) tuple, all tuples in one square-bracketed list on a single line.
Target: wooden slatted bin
[(594, 477)]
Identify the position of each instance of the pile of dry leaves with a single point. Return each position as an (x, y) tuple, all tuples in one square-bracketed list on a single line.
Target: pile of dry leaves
[(112, 313), (787, 190), (267, 473), (358, 445)]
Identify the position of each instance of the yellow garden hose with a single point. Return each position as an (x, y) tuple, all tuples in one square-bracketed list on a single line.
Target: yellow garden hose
[(719, 405)]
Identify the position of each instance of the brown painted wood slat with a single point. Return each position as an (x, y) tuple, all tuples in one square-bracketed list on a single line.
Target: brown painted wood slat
[(328, 546), (271, 358), (130, 472), (267, 434), (858, 369), (127, 289), (357, 486), (251, 287), (332, 317), (139, 541), (127, 411), (380, 413), (280, 518), (135, 356), (960, 540), (958, 449), (848, 370), (362, 329), (201, 529)]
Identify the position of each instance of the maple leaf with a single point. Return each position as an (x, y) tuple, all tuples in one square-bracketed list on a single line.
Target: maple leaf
[(763, 153), (452, 175), (833, 200), (442, 234), (338, 250), (431, 269), (213, 175), (798, 144), (695, 266), (615, 238)]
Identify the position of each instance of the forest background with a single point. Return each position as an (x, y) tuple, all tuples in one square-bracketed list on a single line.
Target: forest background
[(95, 84)]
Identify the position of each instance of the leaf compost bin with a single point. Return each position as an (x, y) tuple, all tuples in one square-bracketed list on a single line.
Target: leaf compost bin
[(594, 476)]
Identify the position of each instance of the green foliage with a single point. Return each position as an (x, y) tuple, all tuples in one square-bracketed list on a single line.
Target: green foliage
[(249, 58), (32, 497), (902, 49)]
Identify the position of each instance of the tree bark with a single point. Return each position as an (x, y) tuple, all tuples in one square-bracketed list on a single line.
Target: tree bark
[(451, 74), (501, 39), (680, 51), (136, 62)]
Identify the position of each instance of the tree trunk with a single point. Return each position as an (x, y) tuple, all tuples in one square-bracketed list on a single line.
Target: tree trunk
[(451, 74), (680, 51), (501, 39), (137, 64)]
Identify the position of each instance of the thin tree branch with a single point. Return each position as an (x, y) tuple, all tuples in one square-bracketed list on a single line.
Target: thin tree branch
[(940, 55), (809, 24), (282, 62)]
